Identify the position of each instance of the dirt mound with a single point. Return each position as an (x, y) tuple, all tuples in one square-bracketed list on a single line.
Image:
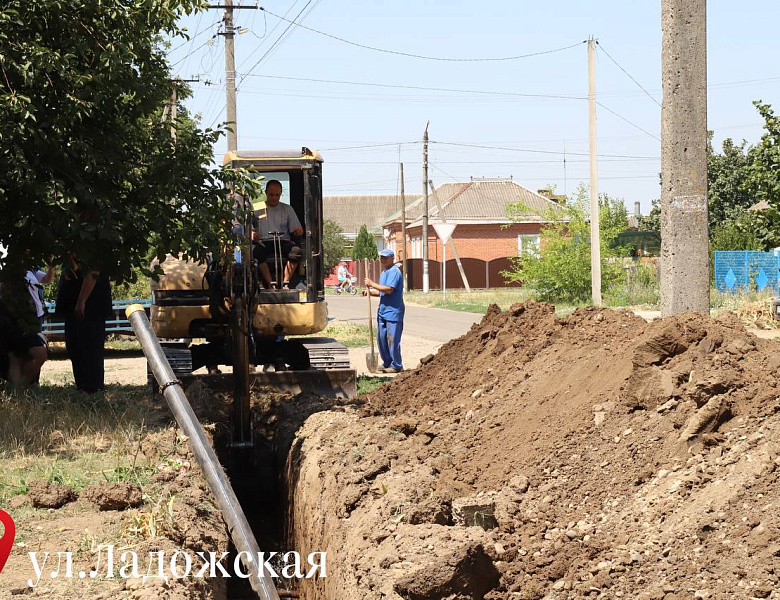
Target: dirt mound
[(49, 495), (113, 496), (591, 455)]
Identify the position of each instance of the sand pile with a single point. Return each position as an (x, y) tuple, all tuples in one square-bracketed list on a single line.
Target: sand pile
[(596, 455)]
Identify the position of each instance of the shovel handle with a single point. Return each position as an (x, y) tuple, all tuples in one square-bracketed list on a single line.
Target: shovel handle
[(370, 313)]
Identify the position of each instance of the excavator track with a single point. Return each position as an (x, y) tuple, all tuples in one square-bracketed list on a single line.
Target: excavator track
[(330, 373)]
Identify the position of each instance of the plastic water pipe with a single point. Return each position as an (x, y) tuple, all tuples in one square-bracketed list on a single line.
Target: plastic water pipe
[(238, 526)]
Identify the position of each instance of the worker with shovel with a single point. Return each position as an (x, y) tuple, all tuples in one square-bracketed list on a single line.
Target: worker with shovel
[(390, 316)]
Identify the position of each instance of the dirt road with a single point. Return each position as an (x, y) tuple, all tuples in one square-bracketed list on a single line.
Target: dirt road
[(433, 324)]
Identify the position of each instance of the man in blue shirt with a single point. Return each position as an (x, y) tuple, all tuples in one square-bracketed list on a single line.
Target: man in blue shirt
[(390, 317)]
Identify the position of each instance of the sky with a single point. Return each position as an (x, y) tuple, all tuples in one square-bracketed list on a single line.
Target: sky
[(526, 118)]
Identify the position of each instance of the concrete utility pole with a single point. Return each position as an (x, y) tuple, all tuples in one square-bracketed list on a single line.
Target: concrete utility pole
[(685, 284), (426, 280), (595, 238), (230, 78), (403, 231)]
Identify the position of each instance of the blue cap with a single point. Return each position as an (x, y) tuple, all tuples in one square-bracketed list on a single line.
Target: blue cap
[(385, 252)]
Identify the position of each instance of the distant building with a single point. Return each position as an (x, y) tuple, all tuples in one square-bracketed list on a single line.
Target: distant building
[(350, 212), (479, 210)]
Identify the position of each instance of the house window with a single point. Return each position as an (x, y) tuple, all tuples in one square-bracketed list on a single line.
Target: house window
[(528, 243), (417, 247)]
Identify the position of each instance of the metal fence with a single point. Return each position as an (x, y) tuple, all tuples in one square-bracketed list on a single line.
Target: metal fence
[(480, 273), (745, 270)]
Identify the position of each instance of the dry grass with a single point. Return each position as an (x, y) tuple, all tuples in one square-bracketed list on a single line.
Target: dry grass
[(63, 436)]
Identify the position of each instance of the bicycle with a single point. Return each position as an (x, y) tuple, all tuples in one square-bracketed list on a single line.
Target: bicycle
[(350, 287)]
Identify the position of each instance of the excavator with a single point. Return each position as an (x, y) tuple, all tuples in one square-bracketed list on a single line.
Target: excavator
[(209, 315)]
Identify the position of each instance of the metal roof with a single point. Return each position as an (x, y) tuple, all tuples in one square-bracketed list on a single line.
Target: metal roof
[(486, 201), (350, 212)]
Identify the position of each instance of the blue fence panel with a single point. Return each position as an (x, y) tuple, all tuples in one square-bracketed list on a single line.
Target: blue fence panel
[(742, 270), (54, 327)]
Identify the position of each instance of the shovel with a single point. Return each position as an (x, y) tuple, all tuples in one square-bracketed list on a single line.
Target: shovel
[(371, 358)]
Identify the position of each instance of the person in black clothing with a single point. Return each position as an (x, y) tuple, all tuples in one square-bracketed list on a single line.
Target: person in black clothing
[(84, 300), (22, 346)]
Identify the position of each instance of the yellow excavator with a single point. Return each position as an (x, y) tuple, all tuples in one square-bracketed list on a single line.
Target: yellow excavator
[(225, 313)]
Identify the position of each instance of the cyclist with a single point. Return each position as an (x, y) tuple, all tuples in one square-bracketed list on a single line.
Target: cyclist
[(344, 277)]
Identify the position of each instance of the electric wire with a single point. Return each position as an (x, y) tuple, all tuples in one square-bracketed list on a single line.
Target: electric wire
[(423, 88), (627, 121), (260, 45), (420, 56), (649, 95), (280, 39), (536, 151), (192, 41)]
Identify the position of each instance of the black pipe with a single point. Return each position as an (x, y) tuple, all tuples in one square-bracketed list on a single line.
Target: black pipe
[(239, 529)]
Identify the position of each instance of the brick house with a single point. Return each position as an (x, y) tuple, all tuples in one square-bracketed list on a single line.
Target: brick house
[(479, 209)]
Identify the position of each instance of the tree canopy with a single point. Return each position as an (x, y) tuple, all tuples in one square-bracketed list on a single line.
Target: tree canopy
[(333, 243), (88, 167), (739, 176), (365, 246)]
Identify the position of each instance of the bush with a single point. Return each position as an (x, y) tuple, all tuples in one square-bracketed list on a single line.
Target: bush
[(559, 270)]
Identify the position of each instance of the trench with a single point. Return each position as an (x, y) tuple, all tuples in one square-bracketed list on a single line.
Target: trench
[(260, 482)]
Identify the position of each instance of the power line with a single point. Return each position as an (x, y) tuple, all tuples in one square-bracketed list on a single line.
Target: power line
[(281, 38), (260, 45), (649, 95), (535, 151), (411, 55), (423, 88), (627, 121), (192, 42), (370, 146)]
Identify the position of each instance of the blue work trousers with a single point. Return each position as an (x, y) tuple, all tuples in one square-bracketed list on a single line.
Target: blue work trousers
[(388, 338)]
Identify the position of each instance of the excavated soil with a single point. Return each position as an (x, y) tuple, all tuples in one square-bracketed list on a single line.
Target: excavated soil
[(537, 457)]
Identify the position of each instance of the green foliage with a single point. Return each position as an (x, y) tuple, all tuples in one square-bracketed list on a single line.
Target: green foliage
[(638, 287), (738, 177), (737, 232), (560, 270), (365, 246), (727, 181), (87, 165), (652, 220), (334, 244)]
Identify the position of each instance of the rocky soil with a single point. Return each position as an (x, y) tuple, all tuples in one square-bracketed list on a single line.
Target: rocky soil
[(537, 457)]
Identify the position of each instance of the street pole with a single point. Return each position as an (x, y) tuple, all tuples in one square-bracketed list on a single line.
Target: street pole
[(684, 225), (403, 231), (451, 241), (595, 244), (426, 280), (174, 112), (230, 78)]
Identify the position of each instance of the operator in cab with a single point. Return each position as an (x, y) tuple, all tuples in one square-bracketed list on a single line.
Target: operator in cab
[(278, 228)]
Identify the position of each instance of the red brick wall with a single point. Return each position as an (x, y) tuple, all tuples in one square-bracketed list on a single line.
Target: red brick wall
[(485, 242)]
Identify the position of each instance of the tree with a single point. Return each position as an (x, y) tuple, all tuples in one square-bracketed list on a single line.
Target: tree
[(334, 245), (728, 187), (87, 165), (365, 246), (560, 270)]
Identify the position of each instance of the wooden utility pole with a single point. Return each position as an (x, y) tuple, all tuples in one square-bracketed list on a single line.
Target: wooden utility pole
[(403, 231), (451, 241), (230, 78), (426, 280), (595, 238), (685, 284)]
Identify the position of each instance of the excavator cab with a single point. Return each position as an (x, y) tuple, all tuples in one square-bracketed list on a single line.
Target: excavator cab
[(222, 314)]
